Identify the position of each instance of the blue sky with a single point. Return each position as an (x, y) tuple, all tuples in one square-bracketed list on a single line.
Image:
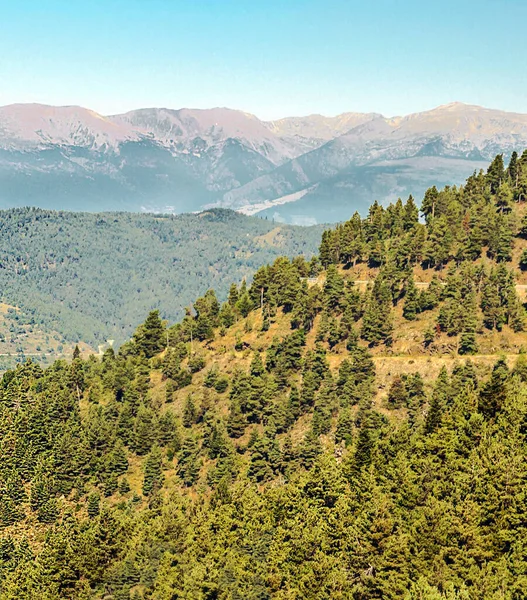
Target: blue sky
[(272, 58)]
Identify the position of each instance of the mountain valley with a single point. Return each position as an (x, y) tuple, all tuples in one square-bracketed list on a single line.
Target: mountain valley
[(297, 170)]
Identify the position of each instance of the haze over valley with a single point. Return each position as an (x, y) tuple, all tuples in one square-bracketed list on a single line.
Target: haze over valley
[(300, 170)]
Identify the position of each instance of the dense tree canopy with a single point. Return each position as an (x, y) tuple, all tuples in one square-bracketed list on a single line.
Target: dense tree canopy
[(290, 441)]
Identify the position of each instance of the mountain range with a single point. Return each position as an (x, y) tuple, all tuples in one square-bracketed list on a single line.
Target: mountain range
[(301, 170)]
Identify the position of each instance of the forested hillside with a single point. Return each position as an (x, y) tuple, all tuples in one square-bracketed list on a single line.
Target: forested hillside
[(352, 426), (92, 277)]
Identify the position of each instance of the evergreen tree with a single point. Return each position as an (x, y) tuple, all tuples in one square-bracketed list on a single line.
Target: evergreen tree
[(144, 431), (364, 448), (94, 504), (333, 289), (188, 461), (189, 412), (496, 174), (467, 342), (153, 473), (493, 394), (150, 337), (411, 301), (344, 429), (397, 394), (377, 324), (309, 449), (236, 421)]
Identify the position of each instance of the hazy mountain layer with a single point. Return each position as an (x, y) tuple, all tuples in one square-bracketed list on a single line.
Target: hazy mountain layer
[(298, 169)]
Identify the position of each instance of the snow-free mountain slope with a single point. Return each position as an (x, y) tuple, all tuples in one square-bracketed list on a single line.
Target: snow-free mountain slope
[(386, 155), (195, 130), (297, 169), (34, 126), (314, 130)]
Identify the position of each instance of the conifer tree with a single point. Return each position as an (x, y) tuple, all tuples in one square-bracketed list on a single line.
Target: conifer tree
[(520, 368), (188, 461), (124, 486), (333, 289), (438, 403), (344, 429), (236, 421), (171, 364), (411, 301), (377, 324), (94, 505), (189, 412), (233, 295), (364, 449), (513, 170), (153, 473), (397, 394), (48, 512), (309, 449), (493, 394), (144, 431), (265, 459), (496, 174), (150, 337), (244, 304), (467, 342), (324, 406)]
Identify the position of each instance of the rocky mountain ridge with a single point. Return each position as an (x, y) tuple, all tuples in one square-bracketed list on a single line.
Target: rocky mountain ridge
[(312, 168)]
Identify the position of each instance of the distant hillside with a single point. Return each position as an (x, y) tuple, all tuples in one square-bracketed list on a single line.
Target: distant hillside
[(300, 170), (91, 277)]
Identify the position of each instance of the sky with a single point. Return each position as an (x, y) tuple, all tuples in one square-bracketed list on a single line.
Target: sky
[(273, 58)]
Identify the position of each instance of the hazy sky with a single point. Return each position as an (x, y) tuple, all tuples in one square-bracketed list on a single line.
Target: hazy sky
[(273, 58)]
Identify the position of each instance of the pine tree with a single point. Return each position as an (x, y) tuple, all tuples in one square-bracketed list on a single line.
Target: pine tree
[(520, 368), (493, 394), (188, 461), (377, 323), (294, 406), (344, 429), (244, 304), (189, 412), (496, 174), (150, 337), (309, 449), (48, 512), (257, 368), (233, 295), (94, 505), (111, 484), (144, 431), (153, 472), (397, 394), (513, 170), (467, 342), (333, 289), (438, 403), (411, 301), (265, 459), (124, 487), (364, 449), (324, 406), (171, 364)]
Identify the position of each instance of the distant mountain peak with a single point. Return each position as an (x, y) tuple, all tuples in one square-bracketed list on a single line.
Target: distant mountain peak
[(175, 160), (27, 126)]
